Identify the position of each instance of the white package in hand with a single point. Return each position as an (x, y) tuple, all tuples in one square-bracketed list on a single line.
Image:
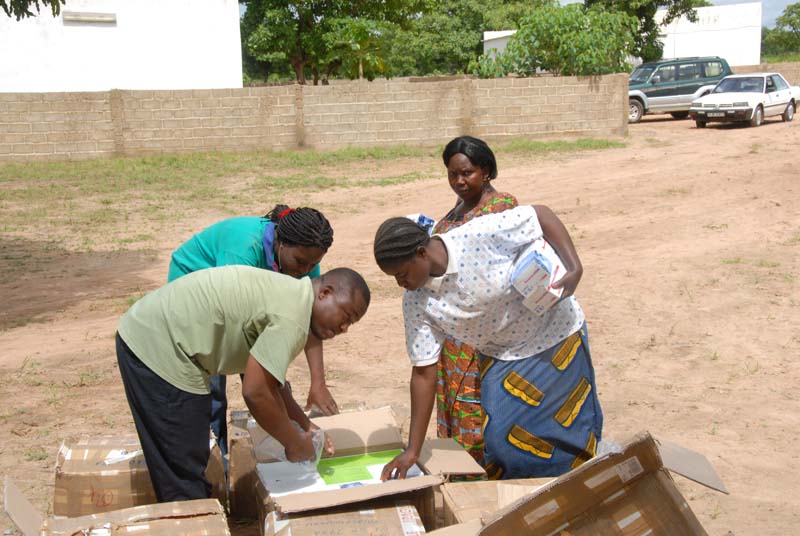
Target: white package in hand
[(269, 447), (534, 273)]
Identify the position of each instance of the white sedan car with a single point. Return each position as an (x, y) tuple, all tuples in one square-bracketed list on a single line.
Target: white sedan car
[(747, 98)]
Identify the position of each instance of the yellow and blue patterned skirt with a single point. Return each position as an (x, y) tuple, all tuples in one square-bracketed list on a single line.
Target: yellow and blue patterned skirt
[(542, 414)]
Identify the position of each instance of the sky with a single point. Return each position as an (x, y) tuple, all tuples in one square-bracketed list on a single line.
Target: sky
[(770, 9)]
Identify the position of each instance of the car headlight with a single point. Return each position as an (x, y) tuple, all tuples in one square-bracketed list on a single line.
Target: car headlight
[(740, 104)]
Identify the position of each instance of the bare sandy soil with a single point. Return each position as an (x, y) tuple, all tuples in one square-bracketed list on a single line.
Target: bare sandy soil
[(691, 245)]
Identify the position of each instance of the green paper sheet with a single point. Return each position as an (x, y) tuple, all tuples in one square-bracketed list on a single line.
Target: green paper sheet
[(353, 468)]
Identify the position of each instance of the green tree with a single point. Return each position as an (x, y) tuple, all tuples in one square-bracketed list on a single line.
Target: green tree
[(448, 37), (646, 43), (359, 47), (565, 40), (299, 34), (783, 42), (22, 8)]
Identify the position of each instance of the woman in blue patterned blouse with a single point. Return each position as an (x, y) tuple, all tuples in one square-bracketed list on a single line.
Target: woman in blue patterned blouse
[(542, 414)]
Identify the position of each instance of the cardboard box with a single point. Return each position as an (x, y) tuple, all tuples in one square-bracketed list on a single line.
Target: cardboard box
[(242, 478), (625, 493), (466, 501), (366, 432), (101, 474), (186, 518), (535, 271), (398, 519)]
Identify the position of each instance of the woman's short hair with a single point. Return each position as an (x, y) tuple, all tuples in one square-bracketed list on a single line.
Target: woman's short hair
[(476, 150)]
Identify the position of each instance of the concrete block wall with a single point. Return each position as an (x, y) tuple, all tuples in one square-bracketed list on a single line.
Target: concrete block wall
[(790, 70), (207, 119), (411, 111), (55, 125), (546, 106)]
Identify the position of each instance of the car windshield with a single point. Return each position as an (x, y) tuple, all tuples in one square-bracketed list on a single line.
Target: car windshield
[(641, 74), (747, 84)]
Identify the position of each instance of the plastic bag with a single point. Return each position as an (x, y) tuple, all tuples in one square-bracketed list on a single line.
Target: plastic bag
[(271, 447)]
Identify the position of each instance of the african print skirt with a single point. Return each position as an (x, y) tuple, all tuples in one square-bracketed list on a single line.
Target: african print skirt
[(542, 414), (458, 397)]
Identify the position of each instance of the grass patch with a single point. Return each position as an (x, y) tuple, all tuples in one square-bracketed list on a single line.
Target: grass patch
[(540, 147), (121, 203), (34, 454)]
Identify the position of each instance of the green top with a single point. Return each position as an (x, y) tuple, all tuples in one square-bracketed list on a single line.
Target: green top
[(231, 241), (208, 322)]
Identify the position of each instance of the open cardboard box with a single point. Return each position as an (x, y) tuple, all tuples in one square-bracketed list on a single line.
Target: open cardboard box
[(101, 474), (626, 493), (365, 432), (466, 501), (394, 519), (187, 518)]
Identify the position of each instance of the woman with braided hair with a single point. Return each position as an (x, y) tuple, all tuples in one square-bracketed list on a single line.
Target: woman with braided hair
[(290, 241), (541, 414)]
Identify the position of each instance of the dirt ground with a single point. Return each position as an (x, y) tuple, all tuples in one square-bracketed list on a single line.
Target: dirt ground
[(690, 241)]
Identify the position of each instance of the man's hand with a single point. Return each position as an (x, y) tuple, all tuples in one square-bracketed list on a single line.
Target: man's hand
[(302, 449), (328, 449), (320, 397), (398, 467)]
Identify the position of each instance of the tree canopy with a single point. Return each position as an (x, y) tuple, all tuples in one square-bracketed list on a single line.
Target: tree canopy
[(785, 37), (22, 8), (311, 36), (646, 43), (565, 40)]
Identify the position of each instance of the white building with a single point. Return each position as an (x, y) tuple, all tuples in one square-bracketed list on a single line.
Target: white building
[(732, 32), (496, 40), (97, 45)]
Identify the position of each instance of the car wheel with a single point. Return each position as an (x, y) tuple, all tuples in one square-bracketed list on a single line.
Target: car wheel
[(758, 116), (788, 113), (680, 115), (635, 111), (700, 124)]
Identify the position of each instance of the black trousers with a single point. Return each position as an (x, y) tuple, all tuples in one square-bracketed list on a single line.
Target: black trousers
[(173, 428)]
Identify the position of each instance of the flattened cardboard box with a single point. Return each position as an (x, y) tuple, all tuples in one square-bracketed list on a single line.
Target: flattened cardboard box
[(626, 493), (101, 474), (186, 518), (364, 432), (397, 519)]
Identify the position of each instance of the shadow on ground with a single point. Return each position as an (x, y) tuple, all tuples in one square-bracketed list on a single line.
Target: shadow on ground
[(39, 279)]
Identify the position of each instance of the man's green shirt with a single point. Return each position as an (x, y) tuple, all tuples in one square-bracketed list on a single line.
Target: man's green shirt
[(208, 322)]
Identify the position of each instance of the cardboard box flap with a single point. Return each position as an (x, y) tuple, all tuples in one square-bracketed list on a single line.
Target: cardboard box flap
[(20, 510), (352, 433), (577, 491), (146, 514), (689, 464), (300, 502), (446, 457), (88, 455), (598, 494)]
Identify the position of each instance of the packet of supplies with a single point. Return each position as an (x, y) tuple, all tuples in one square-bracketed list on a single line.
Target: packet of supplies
[(535, 271), (270, 447), (423, 221)]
